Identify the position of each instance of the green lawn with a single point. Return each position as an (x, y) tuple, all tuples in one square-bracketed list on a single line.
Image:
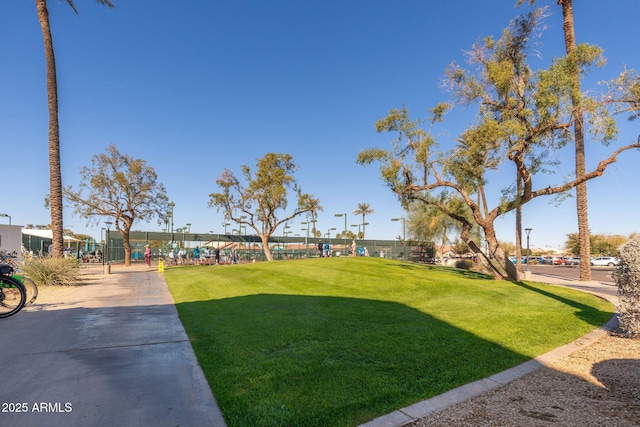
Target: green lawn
[(340, 341)]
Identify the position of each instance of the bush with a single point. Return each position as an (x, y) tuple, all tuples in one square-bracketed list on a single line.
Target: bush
[(52, 271), (465, 264), (627, 277)]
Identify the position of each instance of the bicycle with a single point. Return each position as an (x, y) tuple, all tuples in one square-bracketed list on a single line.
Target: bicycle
[(13, 294), (29, 285)]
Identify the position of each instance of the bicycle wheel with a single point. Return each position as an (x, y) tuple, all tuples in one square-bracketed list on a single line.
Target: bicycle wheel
[(12, 296), (31, 288)]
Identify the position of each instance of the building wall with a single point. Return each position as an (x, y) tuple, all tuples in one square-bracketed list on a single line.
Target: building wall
[(11, 240)]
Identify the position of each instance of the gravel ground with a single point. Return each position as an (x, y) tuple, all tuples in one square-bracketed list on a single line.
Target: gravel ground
[(598, 385)]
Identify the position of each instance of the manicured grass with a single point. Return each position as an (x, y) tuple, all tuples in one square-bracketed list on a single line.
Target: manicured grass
[(340, 341)]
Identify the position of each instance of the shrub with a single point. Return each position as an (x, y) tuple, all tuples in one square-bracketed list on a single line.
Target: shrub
[(627, 277), (465, 264), (52, 271)]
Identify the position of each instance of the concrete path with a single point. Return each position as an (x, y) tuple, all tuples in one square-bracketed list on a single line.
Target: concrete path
[(113, 354)]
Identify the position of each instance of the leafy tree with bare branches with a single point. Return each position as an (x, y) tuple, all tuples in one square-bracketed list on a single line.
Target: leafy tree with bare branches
[(120, 187), (524, 118), (262, 201)]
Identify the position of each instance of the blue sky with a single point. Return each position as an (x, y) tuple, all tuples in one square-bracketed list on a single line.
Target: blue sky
[(197, 86)]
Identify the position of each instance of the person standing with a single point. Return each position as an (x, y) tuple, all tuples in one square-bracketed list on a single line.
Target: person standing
[(196, 256), (320, 248), (147, 255)]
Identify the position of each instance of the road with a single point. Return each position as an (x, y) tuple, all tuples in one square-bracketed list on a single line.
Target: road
[(599, 274)]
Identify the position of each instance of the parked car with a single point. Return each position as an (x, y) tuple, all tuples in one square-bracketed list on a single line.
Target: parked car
[(608, 261), (536, 260), (573, 260), (555, 260)]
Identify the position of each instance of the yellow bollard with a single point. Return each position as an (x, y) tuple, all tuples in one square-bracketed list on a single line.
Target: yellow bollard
[(160, 266)]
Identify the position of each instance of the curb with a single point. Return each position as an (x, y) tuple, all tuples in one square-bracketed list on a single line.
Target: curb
[(416, 411)]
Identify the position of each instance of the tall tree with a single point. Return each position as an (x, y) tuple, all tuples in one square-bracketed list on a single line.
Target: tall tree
[(121, 187), (524, 117), (262, 203), (314, 207), (364, 209), (55, 174), (578, 133), (429, 223)]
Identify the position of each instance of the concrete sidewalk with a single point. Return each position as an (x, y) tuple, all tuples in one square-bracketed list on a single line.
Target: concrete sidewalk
[(114, 353)]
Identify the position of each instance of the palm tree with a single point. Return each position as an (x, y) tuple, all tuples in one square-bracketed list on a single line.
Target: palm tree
[(314, 205), (55, 175), (428, 223), (363, 209), (578, 132)]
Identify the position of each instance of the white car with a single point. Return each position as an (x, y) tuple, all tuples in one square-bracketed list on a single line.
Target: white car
[(608, 261)]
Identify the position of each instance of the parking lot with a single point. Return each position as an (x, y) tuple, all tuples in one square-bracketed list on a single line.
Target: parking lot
[(600, 274)]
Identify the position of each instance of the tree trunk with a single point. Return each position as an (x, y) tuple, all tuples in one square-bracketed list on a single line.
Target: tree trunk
[(507, 270), (265, 247), (581, 189), (443, 243), (55, 175), (519, 228), (127, 246)]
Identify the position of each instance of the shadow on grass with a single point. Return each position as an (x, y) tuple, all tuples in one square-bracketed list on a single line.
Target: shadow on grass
[(285, 360), (586, 313)]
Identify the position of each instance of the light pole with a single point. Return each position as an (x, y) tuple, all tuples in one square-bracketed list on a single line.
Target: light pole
[(360, 230), (225, 224), (404, 237), (345, 229), (188, 228), (285, 234), (171, 206), (6, 216), (102, 246), (528, 230), (306, 238), (107, 269), (329, 234), (345, 221)]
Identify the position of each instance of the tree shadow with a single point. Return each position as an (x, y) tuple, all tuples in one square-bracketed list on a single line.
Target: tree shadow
[(124, 365), (286, 360), (621, 377), (588, 314)]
